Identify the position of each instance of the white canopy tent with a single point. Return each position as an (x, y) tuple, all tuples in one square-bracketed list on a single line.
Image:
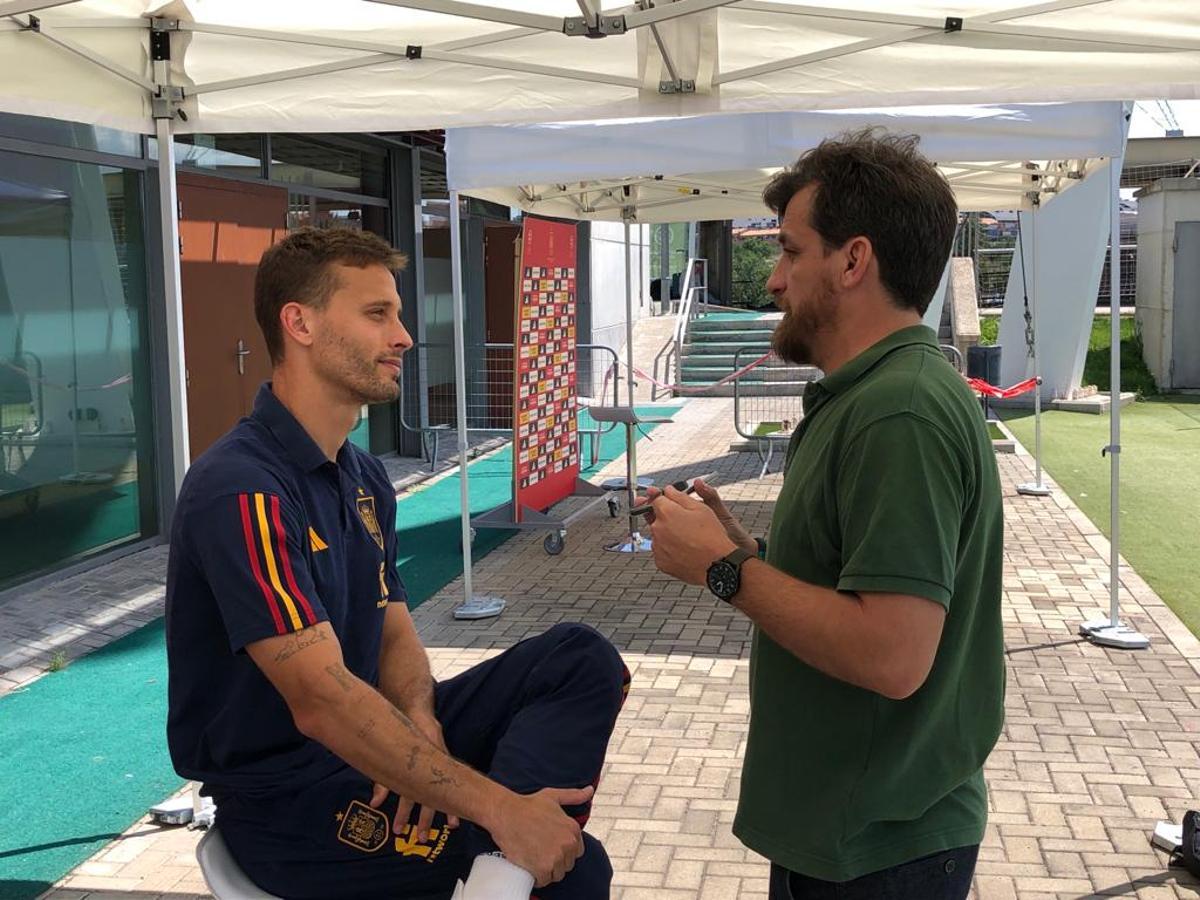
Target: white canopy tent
[(368, 65), (715, 167), (637, 171)]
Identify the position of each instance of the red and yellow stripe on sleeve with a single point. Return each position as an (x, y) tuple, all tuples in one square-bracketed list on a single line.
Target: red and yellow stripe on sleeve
[(266, 548)]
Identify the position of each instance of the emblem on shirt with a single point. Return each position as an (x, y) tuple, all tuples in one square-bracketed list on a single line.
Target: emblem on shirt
[(384, 593), (362, 828), (315, 543), (429, 850), (366, 512)]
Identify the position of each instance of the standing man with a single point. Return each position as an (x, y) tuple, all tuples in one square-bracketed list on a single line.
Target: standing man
[(877, 672), (300, 694)]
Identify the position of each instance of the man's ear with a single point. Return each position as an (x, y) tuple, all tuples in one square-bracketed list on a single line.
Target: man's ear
[(297, 322), (857, 254)]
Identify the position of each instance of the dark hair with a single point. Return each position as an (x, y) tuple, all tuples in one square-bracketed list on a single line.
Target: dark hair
[(878, 186), (299, 269)]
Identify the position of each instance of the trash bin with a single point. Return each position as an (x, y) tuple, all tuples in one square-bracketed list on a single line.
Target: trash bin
[(984, 363)]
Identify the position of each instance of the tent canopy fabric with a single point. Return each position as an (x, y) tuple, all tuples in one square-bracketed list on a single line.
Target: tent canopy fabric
[(392, 65), (715, 167)]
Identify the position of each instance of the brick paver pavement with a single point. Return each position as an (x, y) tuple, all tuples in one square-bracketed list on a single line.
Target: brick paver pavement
[(1097, 746)]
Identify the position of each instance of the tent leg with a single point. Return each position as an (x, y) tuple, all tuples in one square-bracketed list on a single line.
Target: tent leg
[(1111, 632), (168, 206), (1036, 488), (636, 543), (472, 607)]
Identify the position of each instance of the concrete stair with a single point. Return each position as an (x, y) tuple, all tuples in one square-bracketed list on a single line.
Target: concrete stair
[(712, 352)]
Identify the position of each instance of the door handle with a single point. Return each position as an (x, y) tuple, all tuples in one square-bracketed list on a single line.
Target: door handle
[(242, 353)]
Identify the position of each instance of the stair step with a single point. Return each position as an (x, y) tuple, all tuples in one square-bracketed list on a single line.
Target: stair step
[(753, 389), (736, 323), (726, 346), (735, 339), (726, 361), (710, 374)]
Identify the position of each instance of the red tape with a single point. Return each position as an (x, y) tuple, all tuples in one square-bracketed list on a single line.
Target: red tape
[(982, 387)]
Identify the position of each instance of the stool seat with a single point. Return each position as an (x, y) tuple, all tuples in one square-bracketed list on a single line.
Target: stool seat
[(626, 415), (223, 875)]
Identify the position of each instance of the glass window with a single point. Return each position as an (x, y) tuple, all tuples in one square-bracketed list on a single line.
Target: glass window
[(305, 210), (316, 163), (71, 134), (76, 432), (233, 154)]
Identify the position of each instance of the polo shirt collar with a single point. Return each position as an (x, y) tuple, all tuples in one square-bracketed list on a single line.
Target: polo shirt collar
[(297, 443), (850, 372)]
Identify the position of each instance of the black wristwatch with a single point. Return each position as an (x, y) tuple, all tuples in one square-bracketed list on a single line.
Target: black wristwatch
[(725, 575)]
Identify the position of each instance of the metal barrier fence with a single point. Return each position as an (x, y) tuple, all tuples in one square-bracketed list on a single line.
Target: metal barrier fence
[(993, 264), (428, 398), (764, 414)]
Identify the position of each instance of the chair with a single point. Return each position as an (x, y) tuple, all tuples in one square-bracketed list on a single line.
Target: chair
[(224, 877)]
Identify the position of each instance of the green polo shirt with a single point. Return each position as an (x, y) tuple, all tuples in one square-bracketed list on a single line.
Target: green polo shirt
[(891, 486)]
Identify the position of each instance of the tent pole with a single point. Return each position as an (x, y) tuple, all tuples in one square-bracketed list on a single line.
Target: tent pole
[(472, 607), (460, 393), (1111, 632), (168, 208), (1036, 488), (631, 481), (636, 543)]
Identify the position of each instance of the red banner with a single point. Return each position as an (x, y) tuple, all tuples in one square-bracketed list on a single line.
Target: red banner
[(545, 439)]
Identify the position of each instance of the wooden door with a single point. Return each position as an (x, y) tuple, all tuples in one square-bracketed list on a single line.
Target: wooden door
[(224, 227)]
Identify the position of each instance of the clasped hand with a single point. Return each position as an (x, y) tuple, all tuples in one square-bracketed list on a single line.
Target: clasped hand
[(689, 535), (432, 730)]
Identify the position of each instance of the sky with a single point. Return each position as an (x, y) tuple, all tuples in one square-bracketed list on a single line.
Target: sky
[(1148, 120)]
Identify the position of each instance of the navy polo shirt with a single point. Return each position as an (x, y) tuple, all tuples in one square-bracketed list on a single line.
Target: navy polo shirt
[(269, 537)]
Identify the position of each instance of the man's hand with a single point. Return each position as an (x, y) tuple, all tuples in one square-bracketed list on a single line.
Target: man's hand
[(687, 536), (432, 729), (536, 834), (733, 528)]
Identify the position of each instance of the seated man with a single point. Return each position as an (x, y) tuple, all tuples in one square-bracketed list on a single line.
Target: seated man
[(300, 694)]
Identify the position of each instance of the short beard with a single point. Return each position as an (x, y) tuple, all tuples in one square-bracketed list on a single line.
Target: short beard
[(359, 379), (795, 335)]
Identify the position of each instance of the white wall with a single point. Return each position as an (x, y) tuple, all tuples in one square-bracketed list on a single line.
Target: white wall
[(1160, 207), (608, 279), (933, 315), (1065, 244)]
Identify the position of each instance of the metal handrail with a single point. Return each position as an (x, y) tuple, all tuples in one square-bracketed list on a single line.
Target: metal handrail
[(664, 357), (949, 350), (687, 311)]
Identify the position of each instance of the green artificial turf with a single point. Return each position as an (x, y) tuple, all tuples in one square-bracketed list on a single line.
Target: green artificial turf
[(1159, 487)]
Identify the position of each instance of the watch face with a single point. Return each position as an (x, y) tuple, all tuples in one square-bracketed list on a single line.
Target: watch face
[(723, 579)]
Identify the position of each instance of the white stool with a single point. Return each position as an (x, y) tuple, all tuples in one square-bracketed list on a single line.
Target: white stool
[(224, 877)]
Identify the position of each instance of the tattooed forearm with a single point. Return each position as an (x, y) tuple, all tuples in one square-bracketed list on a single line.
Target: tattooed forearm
[(301, 640), (365, 729), (342, 676), (406, 722), (440, 776)]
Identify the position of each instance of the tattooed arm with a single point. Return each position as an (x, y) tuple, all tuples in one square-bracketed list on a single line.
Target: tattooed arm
[(404, 676), (333, 706)]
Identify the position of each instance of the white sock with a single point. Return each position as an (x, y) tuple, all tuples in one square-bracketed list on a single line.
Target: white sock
[(494, 878)]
